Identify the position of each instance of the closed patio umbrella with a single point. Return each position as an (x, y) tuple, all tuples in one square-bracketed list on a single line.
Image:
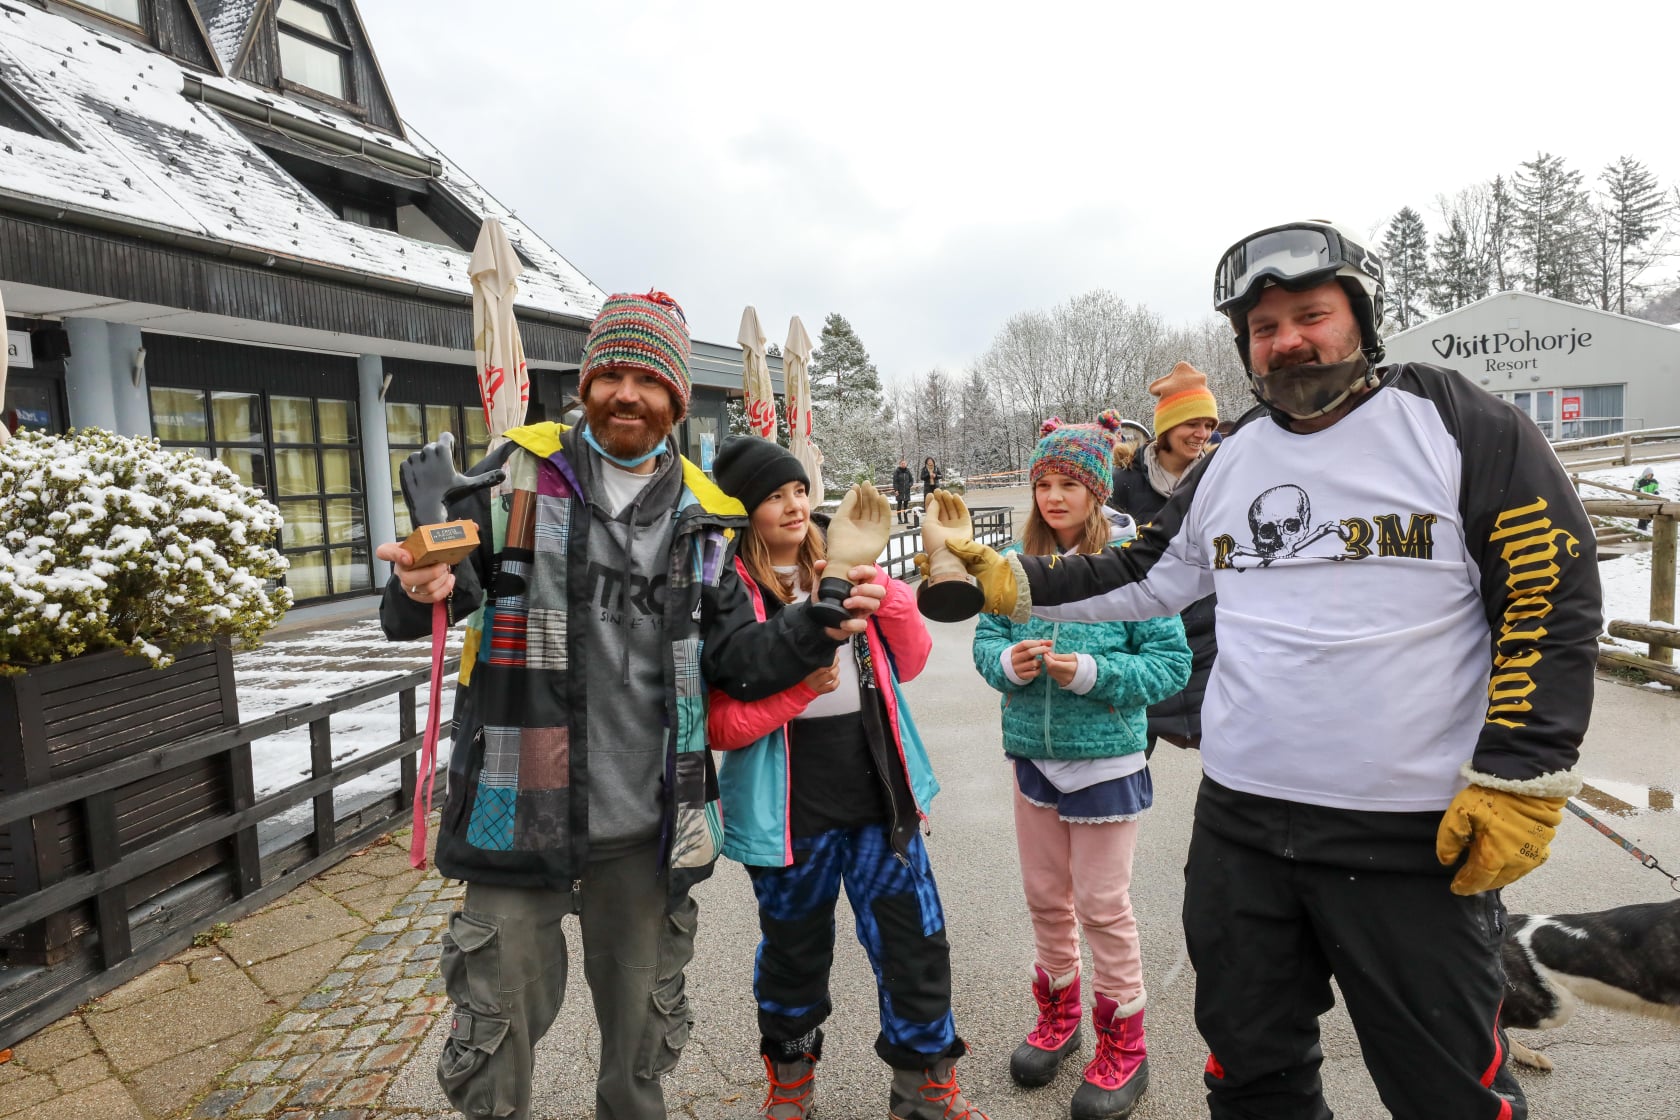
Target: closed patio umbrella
[(755, 376), (796, 377), (503, 383)]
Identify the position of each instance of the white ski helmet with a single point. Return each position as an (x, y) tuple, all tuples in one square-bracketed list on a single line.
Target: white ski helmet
[(1298, 256)]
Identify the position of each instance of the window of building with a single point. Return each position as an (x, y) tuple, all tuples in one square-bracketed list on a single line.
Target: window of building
[(306, 457), (412, 206), (408, 427), (129, 11), (314, 50)]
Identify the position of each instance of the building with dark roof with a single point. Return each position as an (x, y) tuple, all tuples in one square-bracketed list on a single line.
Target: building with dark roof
[(216, 228)]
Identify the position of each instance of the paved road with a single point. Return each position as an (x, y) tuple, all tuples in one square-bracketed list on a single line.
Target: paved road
[(1608, 1066)]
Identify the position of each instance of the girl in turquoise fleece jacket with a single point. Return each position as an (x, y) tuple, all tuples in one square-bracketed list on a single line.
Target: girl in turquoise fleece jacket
[(1075, 729)]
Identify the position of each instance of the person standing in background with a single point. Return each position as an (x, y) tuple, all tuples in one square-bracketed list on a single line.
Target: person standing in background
[(1186, 416)]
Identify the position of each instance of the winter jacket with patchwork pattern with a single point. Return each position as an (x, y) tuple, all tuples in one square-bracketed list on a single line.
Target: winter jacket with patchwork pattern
[(517, 808)]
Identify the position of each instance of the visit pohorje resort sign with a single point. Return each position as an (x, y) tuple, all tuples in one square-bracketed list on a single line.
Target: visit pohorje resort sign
[(1506, 351)]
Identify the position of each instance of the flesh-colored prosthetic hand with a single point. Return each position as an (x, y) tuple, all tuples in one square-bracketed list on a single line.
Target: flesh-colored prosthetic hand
[(963, 577), (857, 536)]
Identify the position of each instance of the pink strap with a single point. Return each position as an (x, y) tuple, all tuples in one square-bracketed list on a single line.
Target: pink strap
[(428, 748)]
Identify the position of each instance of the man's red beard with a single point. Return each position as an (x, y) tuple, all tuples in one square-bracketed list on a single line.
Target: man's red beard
[(627, 445)]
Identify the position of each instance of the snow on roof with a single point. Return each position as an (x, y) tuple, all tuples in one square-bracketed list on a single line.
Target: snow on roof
[(226, 21), (147, 155)]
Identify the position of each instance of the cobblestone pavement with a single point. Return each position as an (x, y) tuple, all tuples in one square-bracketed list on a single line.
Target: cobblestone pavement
[(333, 1055), (215, 1013)]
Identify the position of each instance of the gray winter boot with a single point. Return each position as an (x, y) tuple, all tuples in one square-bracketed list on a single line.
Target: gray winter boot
[(931, 1094), (792, 1094)]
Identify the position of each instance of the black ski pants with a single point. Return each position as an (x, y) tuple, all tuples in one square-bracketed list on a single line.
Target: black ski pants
[(1418, 966)]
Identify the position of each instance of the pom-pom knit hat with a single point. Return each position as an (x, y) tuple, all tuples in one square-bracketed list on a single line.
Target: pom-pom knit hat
[(1182, 395), (647, 333), (1083, 452)]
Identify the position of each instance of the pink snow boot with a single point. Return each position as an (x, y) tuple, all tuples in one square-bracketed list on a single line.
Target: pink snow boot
[(1119, 1073), (1055, 1036)]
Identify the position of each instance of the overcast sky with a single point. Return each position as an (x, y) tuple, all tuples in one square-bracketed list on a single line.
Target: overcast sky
[(929, 170)]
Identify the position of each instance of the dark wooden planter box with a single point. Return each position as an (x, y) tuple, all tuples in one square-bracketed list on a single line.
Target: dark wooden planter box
[(62, 720)]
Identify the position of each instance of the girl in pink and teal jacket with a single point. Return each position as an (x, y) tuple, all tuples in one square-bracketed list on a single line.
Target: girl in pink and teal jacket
[(825, 785)]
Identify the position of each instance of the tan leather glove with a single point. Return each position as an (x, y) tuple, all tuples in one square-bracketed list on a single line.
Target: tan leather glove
[(859, 531), (1000, 577), (1507, 834), (921, 562)]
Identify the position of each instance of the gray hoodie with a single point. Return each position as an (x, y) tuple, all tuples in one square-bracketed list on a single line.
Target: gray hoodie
[(622, 631)]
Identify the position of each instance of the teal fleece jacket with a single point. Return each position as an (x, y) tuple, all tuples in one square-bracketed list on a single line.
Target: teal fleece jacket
[(1138, 664)]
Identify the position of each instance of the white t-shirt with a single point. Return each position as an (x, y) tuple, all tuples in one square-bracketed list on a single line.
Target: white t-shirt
[(843, 700), (620, 487)]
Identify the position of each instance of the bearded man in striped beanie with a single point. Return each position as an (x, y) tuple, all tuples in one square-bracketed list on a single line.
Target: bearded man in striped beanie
[(602, 606)]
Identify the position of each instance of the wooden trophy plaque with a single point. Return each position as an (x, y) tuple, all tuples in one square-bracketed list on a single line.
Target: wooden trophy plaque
[(447, 543)]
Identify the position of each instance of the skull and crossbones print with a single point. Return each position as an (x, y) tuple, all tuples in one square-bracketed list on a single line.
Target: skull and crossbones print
[(1280, 526)]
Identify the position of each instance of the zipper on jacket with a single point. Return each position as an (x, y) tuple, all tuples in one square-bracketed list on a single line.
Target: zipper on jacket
[(1050, 692), (577, 897)]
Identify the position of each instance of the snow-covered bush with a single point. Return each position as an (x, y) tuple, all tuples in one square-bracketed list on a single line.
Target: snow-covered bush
[(108, 542)]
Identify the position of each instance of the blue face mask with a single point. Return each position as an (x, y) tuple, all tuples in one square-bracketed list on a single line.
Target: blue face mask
[(627, 464)]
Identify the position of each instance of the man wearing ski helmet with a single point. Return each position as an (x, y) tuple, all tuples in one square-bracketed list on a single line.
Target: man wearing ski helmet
[(1408, 611)]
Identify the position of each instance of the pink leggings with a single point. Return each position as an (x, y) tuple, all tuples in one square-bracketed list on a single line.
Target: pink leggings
[(1080, 875)]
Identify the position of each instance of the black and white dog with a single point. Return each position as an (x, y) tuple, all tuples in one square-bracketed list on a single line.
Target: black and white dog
[(1627, 958)]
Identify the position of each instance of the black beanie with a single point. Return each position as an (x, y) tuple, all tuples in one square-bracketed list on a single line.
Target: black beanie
[(750, 469)]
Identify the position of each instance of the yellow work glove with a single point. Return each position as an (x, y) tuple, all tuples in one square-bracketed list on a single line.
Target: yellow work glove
[(1507, 834), (921, 562), (1000, 578)]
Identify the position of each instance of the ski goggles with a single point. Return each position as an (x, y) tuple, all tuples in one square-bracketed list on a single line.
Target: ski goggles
[(1296, 257)]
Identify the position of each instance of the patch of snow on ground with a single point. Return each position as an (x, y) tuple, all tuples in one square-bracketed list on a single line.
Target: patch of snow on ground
[(309, 668)]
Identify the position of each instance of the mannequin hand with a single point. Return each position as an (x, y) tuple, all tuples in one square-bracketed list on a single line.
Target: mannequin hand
[(859, 531), (430, 481), (945, 518)]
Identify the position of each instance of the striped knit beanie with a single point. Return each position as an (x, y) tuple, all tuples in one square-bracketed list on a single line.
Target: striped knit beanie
[(1083, 452), (1182, 395), (647, 333)]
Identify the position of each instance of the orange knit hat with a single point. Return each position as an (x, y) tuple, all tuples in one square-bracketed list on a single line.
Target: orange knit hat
[(1182, 395)]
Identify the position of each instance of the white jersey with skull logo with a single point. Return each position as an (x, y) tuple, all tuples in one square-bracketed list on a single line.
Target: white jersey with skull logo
[(1360, 635)]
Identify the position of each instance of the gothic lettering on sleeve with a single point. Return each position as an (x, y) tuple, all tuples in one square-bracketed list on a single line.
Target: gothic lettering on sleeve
[(1530, 546)]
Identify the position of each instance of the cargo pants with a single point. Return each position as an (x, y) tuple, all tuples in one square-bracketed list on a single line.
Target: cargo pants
[(505, 966)]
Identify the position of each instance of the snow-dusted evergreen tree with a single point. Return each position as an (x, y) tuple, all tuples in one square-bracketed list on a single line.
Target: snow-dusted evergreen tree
[(1499, 231), (1456, 277), (937, 415), (1552, 228), (841, 367), (1406, 249), (981, 433), (1635, 217), (851, 422)]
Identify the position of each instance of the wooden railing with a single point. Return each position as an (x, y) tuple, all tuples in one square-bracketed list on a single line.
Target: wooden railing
[(1658, 632), (122, 948), (1621, 445)]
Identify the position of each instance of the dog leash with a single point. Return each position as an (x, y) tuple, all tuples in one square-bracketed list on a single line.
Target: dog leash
[(1644, 859)]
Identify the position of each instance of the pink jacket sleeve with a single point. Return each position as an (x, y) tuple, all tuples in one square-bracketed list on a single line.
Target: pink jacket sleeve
[(732, 724), (903, 627)]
